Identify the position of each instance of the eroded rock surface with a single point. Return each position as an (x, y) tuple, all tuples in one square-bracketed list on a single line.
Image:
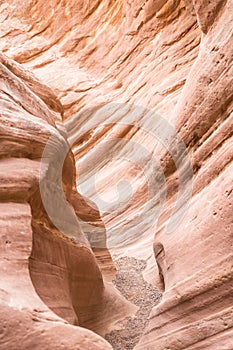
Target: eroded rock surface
[(123, 72), (34, 254)]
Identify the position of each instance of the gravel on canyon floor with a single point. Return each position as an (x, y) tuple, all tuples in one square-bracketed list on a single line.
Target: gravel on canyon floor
[(130, 282)]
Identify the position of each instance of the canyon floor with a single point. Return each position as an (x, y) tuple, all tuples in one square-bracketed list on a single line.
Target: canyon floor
[(130, 282)]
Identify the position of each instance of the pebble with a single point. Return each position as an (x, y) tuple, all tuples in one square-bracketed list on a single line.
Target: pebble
[(130, 282)]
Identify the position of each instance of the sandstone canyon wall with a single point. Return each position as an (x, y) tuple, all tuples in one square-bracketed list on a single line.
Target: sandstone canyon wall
[(33, 252), (141, 91)]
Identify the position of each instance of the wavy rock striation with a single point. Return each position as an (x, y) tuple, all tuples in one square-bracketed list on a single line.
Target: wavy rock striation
[(144, 89), (63, 269)]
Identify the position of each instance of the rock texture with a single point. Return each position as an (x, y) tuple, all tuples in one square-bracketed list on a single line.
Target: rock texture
[(196, 310), (64, 271), (126, 75), (130, 282)]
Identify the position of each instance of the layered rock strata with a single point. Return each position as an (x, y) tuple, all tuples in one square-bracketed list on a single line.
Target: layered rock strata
[(34, 254), (123, 70)]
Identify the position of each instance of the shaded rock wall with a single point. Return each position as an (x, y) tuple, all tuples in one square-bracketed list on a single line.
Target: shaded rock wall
[(63, 269), (196, 310)]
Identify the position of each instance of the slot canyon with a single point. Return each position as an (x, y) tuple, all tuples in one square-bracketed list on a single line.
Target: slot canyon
[(116, 130)]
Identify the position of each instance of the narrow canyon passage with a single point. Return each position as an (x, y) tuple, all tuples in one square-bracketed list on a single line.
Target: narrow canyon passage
[(116, 192)]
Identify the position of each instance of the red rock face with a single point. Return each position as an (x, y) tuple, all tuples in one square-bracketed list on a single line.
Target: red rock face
[(33, 253), (142, 92)]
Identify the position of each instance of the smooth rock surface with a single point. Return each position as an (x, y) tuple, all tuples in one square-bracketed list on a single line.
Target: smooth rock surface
[(127, 78), (39, 263)]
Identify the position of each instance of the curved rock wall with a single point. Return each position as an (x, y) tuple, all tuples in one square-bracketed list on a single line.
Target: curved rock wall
[(64, 272), (196, 309)]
